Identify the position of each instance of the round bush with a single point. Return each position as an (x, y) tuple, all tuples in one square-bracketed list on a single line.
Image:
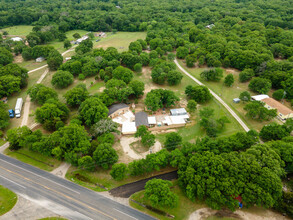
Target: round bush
[(62, 79)]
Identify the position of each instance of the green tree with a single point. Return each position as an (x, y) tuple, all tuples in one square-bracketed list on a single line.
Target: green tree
[(200, 94), (74, 97), (260, 85), (70, 143), (173, 140), (54, 60), (86, 162), (76, 35), (92, 110), (159, 98), (279, 94), (137, 67), (9, 84), (50, 113), (141, 131), (104, 156), (135, 46), (16, 137), (148, 139), (137, 88), (171, 56), (123, 73), (229, 80), (158, 192), (182, 52), (119, 171), (40, 93), (174, 77), (191, 105), (214, 74), (246, 75), (5, 56), (273, 131), (4, 116), (256, 110), (67, 44), (190, 60), (62, 79), (245, 96)]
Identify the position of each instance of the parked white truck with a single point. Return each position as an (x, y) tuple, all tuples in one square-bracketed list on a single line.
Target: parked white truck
[(18, 107)]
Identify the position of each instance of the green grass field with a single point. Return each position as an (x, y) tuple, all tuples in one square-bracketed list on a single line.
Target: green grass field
[(184, 208), (34, 159), (229, 93), (7, 200), (120, 40), (21, 30)]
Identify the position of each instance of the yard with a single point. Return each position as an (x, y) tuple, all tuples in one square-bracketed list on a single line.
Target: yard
[(229, 93), (21, 30), (7, 200), (119, 40)]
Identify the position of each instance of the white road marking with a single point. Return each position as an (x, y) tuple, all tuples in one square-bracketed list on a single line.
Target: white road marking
[(41, 177), (125, 214), (12, 182)]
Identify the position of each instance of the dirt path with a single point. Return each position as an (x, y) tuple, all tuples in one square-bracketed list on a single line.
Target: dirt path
[(42, 76), (127, 190), (204, 213), (61, 170), (216, 97), (26, 110), (125, 143)]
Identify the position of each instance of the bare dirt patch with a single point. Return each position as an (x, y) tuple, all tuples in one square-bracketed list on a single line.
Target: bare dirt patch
[(102, 89), (18, 59), (264, 214)]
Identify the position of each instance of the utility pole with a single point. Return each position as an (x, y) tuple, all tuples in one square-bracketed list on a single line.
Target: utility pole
[(283, 97)]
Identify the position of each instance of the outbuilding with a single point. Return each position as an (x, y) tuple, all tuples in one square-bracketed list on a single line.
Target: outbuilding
[(178, 111), (236, 100), (128, 128)]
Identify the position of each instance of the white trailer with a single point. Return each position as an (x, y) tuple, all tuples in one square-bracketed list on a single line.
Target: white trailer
[(18, 107)]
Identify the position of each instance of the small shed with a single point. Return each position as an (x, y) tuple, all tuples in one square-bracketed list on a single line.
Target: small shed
[(178, 111), (40, 59), (236, 100), (141, 118)]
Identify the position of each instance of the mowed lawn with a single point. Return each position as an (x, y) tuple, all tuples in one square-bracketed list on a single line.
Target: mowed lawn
[(119, 40), (7, 200), (229, 93), (21, 30)]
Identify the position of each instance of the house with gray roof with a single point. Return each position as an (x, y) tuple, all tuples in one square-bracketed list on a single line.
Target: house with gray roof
[(117, 109)]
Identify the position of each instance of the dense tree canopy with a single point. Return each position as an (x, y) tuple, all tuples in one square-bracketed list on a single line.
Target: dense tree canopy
[(62, 79), (92, 110), (40, 93), (200, 94), (159, 98), (74, 97)]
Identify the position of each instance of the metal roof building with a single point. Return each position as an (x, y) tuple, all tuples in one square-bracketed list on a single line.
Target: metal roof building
[(178, 111), (141, 118)]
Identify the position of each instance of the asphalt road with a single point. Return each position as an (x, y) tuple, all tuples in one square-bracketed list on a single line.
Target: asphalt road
[(243, 125), (63, 197)]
